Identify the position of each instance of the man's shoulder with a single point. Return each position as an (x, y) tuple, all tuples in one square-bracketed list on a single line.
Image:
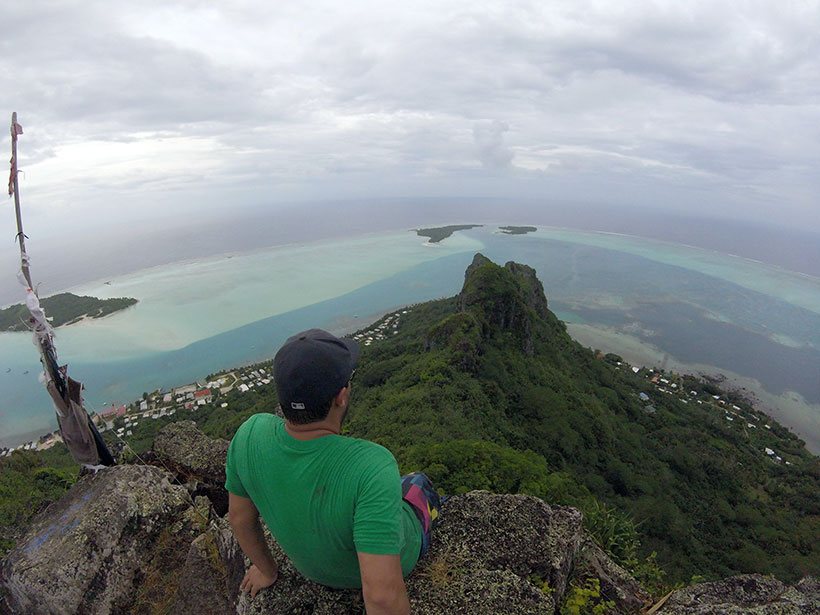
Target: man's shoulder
[(263, 420), (369, 452)]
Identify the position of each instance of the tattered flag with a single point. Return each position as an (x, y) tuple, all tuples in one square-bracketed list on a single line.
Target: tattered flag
[(78, 431)]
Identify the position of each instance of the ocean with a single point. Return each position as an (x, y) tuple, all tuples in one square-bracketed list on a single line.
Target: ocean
[(658, 303)]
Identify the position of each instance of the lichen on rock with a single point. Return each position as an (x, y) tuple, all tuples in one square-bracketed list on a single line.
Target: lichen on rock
[(130, 540), (84, 553), (752, 594)]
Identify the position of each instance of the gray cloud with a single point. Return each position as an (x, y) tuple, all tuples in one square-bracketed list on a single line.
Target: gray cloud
[(174, 105), (489, 141)]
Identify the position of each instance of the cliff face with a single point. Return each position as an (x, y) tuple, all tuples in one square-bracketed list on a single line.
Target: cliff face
[(135, 539), (507, 299)]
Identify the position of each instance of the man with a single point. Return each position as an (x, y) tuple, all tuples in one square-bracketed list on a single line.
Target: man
[(336, 505)]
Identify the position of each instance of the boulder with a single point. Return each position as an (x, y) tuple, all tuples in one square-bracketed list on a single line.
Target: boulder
[(195, 459), (214, 567), (518, 533), (184, 446), (489, 554), (752, 594), (86, 552)]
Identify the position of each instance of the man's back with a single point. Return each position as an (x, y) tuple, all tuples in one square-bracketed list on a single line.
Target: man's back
[(324, 499)]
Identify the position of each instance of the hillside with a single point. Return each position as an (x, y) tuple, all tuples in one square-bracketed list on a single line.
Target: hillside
[(487, 391), (63, 309)]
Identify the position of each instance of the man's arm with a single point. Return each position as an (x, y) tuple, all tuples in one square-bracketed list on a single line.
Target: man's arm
[(383, 585), (244, 519)]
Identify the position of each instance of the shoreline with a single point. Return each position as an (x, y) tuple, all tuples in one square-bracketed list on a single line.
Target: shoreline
[(773, 267), (637, 352), (643, 354), (345, 326), (634, 351)]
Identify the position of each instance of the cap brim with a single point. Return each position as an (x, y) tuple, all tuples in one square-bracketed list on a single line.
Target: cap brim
[(354, 349)]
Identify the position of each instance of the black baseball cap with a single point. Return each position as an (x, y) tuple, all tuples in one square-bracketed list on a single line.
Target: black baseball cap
[(311, 367)]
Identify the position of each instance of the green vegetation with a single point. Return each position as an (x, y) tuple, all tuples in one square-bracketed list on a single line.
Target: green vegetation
[(440, 233), (517, 230), (30, 481), (586, 600), (63, 309), (487, 391)]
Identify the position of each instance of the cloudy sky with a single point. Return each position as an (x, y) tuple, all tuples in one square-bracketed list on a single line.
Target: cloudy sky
[(136, 110)]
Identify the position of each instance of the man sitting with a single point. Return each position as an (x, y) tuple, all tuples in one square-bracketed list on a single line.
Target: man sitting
[(336, 505)]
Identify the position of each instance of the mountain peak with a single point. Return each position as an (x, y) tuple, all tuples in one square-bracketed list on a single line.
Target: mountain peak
[(509, 298)]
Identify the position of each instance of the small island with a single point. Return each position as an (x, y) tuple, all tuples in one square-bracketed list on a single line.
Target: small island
[(440, 233), (63, 309), (517, 230)]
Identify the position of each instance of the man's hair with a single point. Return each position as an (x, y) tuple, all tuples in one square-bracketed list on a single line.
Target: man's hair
[(303, 416)]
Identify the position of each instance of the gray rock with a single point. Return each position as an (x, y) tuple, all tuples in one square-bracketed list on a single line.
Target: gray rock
[(85, 553), (294, 594), (185, 449), (478, 592), (485, 554), (195, 459), (210, 577), (745, 594), (518, 533), (617, 584)]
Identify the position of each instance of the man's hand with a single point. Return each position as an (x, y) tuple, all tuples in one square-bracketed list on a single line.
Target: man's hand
[(255, 581), (244, 519)]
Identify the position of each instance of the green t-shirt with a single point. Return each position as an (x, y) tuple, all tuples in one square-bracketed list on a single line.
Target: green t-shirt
[(324, 499)]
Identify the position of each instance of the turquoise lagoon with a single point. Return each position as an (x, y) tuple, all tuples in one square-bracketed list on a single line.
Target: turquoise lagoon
[(682, 306)]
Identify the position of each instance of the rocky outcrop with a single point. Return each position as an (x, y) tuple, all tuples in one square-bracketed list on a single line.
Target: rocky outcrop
[(190, 451), (748, 594), (86, 552), (510, 299), (213, 569), (196, 460), (490, 554), (130, 540), (498, 553)]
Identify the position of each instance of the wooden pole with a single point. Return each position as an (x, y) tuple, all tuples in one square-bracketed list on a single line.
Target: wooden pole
[(21, 238), (68, 390)]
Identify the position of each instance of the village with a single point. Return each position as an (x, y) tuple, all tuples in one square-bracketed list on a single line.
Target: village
[(380, 329), (744, 418), (122, 420)]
